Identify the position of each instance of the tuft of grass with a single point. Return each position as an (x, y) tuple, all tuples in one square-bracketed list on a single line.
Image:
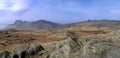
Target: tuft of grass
[(4, 32), (98, 51)]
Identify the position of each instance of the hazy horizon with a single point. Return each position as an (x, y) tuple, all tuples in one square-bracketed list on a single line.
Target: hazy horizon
[(61, 11)]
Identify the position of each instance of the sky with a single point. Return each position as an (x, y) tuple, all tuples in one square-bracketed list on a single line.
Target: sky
[(62, 11)]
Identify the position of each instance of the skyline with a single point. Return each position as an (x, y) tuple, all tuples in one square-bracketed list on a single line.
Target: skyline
[(62, 11)]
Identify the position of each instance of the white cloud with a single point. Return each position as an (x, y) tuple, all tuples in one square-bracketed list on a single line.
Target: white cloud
[(14, 5), (4, 4), (19, 5)]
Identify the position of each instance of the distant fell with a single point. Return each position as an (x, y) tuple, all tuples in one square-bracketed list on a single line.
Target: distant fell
[(43, 24), (113, 24), (35, 25)]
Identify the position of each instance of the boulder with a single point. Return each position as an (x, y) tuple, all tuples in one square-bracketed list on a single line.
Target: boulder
[(25, 51)]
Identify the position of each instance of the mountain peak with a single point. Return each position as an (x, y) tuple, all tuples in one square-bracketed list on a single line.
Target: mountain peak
[(41, 20), (17, 21)]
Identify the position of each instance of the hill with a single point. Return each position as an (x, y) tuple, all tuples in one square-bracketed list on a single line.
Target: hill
[(112, 24)]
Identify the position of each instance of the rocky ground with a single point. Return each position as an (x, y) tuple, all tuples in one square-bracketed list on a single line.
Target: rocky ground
[(64, 43)]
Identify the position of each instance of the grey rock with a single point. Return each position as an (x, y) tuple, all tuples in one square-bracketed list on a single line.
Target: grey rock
[(4, 54), (25, 51), (86, 47)]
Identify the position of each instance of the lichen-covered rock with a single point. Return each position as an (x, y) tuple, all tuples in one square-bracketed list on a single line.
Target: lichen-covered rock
[(63, 52), (25, 51), (92, 46), (4, 54), (34, 48), (114, 53)]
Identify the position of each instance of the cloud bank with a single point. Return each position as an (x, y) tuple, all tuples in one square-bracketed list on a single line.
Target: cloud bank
[(14, 6)]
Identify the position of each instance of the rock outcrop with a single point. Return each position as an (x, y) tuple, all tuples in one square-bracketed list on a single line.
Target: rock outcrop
[(92, 46), (23, 51), (4, 54)]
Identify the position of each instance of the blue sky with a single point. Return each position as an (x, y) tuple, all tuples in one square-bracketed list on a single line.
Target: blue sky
[(62, 11)]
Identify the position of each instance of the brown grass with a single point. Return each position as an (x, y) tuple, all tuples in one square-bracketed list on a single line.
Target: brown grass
[(43, 36)]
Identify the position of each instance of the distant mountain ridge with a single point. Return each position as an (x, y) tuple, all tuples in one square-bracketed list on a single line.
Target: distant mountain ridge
[(35, 25), (113, 24), (43, 24)]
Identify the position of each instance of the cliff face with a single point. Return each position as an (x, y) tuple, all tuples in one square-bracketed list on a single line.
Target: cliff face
[(91, 46)]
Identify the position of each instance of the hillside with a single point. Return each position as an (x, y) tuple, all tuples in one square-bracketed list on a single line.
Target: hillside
[(112, 24)]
